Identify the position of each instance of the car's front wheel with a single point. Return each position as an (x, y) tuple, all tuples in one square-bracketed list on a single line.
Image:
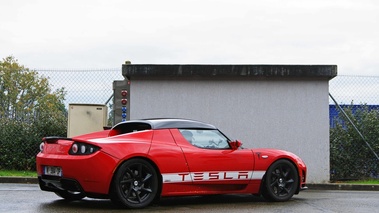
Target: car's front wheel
[(281, 181), (135, 184)]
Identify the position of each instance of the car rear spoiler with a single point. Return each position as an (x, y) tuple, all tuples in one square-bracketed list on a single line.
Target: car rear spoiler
[(54, 139)]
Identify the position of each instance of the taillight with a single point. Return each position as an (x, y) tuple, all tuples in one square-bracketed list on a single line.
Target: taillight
[(82, 149), (74, 148), (41, 146)]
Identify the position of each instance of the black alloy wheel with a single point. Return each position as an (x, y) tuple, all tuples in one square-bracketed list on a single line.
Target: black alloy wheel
[(135, 184), (281, 181)]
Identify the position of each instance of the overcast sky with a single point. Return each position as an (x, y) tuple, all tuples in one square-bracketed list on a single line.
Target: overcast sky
[(92, 34)]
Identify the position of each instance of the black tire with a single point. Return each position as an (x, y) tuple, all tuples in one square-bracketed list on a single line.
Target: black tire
[(70, 196), (281, 181), (135, 184)]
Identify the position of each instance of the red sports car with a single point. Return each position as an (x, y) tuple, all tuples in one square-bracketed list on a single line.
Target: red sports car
[(139, 161)]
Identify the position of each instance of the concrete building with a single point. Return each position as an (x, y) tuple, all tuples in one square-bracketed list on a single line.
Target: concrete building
[(264, 106)]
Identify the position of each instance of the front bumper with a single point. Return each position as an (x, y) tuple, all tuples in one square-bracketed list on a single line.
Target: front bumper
[(302, 188)]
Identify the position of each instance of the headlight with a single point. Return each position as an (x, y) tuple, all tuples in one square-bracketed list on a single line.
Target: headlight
[(82, 149)]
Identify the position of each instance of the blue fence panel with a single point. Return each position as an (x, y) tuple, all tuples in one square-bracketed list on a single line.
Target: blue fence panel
[(334, 114)]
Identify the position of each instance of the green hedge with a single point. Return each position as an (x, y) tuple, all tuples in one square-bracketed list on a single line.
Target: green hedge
[(350, 156), (19, 141)]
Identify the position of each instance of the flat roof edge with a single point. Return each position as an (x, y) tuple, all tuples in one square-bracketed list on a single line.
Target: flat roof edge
[(249, 71)]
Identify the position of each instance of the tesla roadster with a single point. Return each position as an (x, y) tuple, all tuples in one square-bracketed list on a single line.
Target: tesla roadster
[(139, 161)]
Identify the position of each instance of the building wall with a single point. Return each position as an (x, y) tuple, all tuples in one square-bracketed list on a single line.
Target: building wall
[(290, 114)]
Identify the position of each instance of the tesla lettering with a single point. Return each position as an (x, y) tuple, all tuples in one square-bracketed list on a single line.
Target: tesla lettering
[(183, 176), (212, 176), (205, 176)]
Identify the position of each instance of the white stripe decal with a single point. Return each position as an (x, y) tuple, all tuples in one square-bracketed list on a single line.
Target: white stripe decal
[(184, 177), (176, 177), (258, 175)]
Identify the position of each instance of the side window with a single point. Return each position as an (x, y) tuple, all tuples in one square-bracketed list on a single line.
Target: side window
[(205, 138), (123, 128)]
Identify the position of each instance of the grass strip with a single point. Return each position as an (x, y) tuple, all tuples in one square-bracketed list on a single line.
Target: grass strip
[(14, 173)]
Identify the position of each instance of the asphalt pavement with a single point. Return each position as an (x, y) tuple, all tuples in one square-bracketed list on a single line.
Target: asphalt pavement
[(20, 198)]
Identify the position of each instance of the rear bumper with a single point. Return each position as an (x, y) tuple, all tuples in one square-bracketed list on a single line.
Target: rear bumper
[(56, 184), (89, 173)]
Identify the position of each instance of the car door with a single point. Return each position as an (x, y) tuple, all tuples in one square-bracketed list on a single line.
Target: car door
[(210, 158)]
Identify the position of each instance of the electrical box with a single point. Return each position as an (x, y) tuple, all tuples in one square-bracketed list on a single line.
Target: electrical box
[(121, 101), (86, 118)]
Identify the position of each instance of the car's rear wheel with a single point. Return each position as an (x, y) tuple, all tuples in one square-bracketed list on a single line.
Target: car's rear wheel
[(135, 184), (68, 195), (281, 181)]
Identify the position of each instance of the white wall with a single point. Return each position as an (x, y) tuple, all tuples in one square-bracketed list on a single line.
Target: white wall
[(285, 114)]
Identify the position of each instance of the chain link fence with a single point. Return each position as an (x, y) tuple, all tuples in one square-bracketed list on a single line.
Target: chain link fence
[(350, 155), (84, 86), (354, 127), (20, 139)]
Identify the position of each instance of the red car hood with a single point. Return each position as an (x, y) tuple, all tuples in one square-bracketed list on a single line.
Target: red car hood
[(274, 152), (270, 155)]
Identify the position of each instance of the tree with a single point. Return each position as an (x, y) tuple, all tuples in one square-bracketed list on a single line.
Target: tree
[(29, 111), (24, 95)]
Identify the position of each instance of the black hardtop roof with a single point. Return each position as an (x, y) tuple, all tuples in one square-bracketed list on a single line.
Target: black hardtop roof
[(170, 123)]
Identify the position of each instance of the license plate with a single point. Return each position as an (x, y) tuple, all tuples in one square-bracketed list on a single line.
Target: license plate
[(53, 170)]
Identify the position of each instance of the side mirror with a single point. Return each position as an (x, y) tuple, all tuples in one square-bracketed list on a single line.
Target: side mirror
[(235, 144)]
